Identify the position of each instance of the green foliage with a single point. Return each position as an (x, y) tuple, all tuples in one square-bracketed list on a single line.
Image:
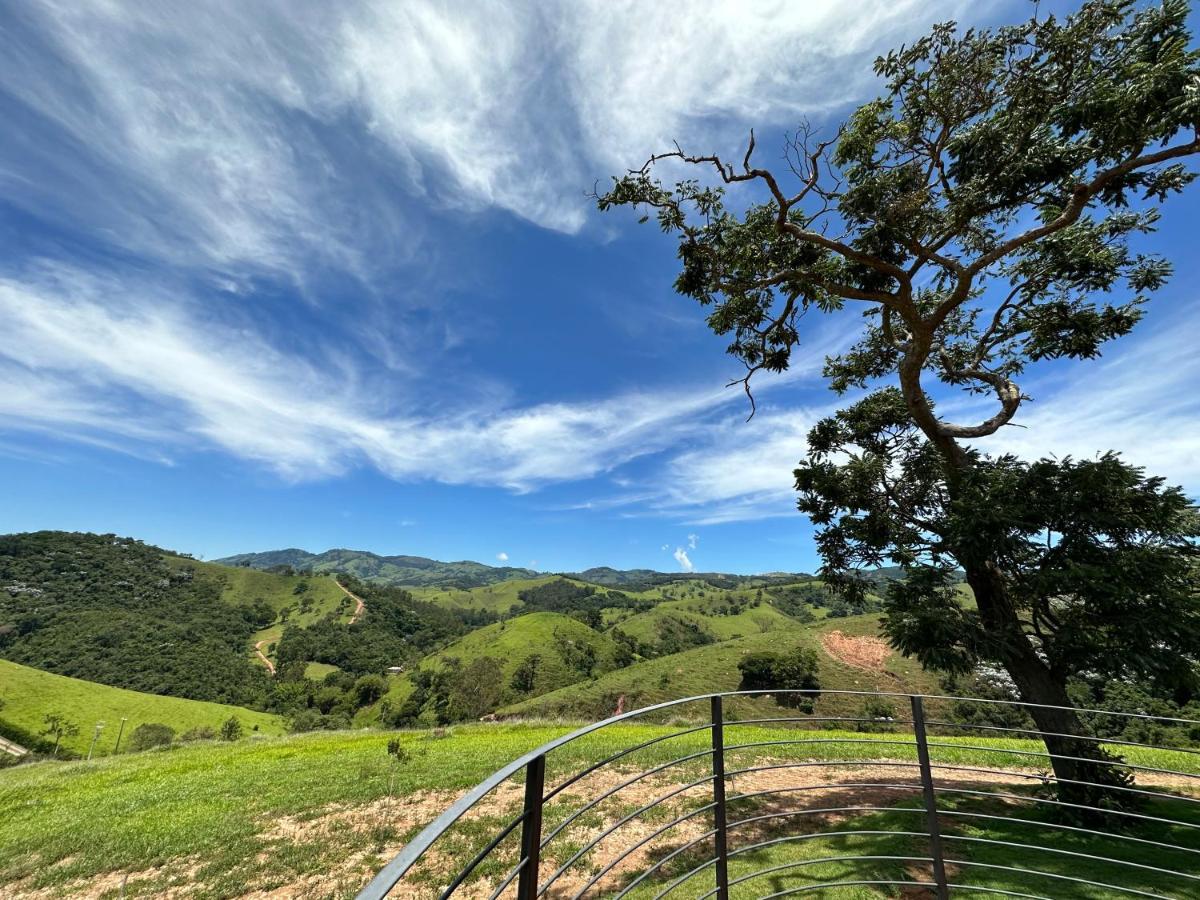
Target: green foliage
[(794, 670), (231, 729), (985, 211), (394, 630), (408, 571), (199, 733), (58, 727), (113, 610), (149, 735)]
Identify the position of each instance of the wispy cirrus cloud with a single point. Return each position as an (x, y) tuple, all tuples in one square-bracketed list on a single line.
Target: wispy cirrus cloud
[(276, 136), (104, 357)]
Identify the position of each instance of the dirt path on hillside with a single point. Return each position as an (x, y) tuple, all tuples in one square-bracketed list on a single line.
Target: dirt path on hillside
[(358, 610), (266, 662)]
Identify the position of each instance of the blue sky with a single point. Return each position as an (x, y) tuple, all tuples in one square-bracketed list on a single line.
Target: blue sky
[(280, 274)]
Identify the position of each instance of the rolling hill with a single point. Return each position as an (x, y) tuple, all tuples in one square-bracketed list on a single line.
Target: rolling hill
[(407, 571), (714, 668), (30, 694)]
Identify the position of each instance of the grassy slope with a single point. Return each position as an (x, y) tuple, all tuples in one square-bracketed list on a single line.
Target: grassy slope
[(714, 668), (497, 598), (212, 808), (244, 586), (29, 694), (701, 611)]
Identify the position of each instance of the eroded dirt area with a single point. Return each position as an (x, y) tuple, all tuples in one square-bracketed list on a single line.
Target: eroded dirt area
[(869, 653)]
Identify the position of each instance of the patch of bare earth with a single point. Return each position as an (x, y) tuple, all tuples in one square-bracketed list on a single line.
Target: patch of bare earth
[(869, 653)]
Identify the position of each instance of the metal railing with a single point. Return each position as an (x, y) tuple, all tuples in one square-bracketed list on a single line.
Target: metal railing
[(934, 805)]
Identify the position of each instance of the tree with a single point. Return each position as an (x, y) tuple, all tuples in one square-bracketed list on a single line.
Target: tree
[(795, 670), (58, 726), (231, 729), (979, 214), (149, 735), (368, 689)]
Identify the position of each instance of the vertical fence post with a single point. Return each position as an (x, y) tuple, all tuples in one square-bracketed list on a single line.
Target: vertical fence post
[(935, 831), (719, 820), (531, 828)]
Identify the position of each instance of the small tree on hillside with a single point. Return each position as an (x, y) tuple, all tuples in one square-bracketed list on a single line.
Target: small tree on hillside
[(978, 213), (231, 729), (57, 726)]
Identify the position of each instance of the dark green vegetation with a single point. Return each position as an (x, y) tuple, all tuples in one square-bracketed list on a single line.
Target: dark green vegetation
[(114, 610), (987, 212)]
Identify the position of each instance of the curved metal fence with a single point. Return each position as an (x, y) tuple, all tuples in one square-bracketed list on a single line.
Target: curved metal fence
[(754, 794)]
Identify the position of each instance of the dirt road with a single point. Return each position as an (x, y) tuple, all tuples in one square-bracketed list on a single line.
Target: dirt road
[(358, 610), (266, 662)]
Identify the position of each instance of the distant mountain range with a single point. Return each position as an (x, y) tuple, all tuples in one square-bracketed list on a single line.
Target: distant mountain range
[(420, 571), (409, 571)]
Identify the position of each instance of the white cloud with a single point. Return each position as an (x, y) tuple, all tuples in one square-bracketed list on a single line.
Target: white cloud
[(693, 540), (681, 557), (502, 556), (666, 547), (1140, 399), (88, 356)]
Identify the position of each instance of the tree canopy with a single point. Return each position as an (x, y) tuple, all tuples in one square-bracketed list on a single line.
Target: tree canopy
[(989, 211)]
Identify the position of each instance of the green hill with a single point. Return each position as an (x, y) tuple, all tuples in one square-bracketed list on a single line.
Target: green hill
[(554, 650), (714, 668), (295, 599), (124, 613), (29, 694)]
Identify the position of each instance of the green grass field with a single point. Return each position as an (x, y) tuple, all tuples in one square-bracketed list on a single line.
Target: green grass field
[(29, 694), (321, 812)]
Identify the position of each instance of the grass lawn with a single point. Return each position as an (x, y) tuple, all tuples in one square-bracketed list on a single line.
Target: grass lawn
[(29, 694), (216, 813)]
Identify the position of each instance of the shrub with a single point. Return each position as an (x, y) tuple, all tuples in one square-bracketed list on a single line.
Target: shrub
[(231, 729), (199, 733), (149, 735)]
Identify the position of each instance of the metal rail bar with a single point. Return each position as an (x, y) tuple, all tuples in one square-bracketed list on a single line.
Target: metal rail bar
[(611, 759), (633, 848), (930, 799), (534, 763), (820, 886), (622, 821), (1111, 860), (1058, 826), (620, 787), (720, 824), (1049, 755), (1074, 737), (531, 830), (662, 862), (1087, 881), (1046, 800)]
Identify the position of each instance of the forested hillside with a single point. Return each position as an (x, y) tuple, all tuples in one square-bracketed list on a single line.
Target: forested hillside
[(115, 611)]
